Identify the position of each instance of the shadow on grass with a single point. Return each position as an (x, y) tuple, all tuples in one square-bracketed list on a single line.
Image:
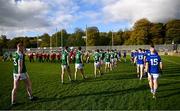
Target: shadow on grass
[(172, 71), (102, 93), (106, 77), (112, 93), (171, 94)]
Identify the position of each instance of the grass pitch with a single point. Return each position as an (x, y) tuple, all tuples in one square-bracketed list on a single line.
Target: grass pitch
[(117, 89)]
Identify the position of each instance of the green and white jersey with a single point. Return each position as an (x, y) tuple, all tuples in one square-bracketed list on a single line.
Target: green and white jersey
[(107, 57), (64, 59), (16, 58), (112, 55), (78, 57), (115, 55), (101, 55), (97, 57)]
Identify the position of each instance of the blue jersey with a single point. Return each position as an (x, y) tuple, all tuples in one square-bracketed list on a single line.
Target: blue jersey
[(140, 58), (124, 54), (153, 63), (132, 54), (119, 53), (147, 53), (135, 54)]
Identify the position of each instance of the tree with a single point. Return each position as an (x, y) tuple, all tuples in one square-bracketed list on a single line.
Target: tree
[(143, 32), (125, 36), (118, 39), (173, 31), (3, 41), (45, 40), (26, 42), (12, 43), (79, 33), (157, 33), (140, 34), (103, 39), (93, 36)]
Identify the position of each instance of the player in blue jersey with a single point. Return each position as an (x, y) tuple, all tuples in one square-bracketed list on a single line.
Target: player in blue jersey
[(115, 57), (119, 55), (124, 55), (132, 56), (153, 67), (139, 59), (147, 52)]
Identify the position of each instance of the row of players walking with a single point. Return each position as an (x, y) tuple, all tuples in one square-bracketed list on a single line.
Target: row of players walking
[(55, 56), (147, 61)]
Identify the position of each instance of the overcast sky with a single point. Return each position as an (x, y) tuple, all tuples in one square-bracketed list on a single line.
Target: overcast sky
[(35, 17)]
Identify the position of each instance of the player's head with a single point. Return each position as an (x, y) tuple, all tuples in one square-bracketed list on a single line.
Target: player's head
[(79, 48), (140, 50), (144, 50), (108, 50), (97, 50), (152, 49), (20, 47), (66, 48)]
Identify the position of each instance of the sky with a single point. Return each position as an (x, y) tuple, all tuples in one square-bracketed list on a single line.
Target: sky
[(35, 17)]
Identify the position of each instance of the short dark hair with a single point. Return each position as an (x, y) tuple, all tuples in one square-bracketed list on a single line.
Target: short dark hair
[(152, 46), (79, 48), (66, 47), (140, 49), (97, 50)]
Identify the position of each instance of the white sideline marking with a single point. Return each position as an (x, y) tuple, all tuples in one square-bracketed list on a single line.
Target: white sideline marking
[(170, 61), (170, 80)]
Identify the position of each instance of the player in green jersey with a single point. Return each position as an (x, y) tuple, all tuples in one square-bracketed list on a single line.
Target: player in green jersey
[(65, 64), (79, 63), (97, 62), (107, 61), (20, 73), (111, 60)]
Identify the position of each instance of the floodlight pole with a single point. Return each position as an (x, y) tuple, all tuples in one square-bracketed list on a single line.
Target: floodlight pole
[(86, 37), (56, 38), (61, 38), (50, 42), (112, 39), (37, 40)]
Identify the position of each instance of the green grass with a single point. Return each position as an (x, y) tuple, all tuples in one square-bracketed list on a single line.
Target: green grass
[(118, 89)]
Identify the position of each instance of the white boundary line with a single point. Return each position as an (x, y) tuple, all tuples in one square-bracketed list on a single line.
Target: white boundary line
[(170, 61), (170, 80)]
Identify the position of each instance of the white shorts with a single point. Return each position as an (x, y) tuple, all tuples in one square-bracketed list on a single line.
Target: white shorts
[(97, 64), (154, 76), (107, 63), (102, 62), (140, 65), (115, 59), (23, 76), (79, 66), (64, 66), (112, 60)]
